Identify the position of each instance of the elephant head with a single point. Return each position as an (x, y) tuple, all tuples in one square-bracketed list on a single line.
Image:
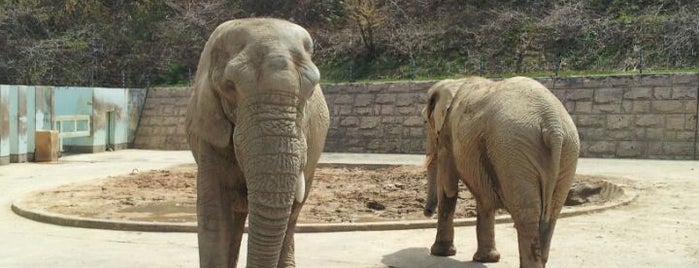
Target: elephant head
[(254, 79), (439, 99)]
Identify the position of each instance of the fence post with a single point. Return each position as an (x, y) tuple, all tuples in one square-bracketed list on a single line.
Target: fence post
[(640, 60), (123, 79), (350, 77), (480, 65), (189, 73), (351, 64), (557, 65), (413, 68)]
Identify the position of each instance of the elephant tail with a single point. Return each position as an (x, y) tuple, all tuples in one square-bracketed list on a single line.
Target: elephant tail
[(553, 139)]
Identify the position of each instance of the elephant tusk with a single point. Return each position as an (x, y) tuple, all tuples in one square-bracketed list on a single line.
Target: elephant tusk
[(300, 187)]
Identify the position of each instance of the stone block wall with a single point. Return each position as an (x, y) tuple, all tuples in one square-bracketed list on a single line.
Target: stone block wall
[(638, 116), (137, 99), (376, 118), (162, 121), (641, 116)]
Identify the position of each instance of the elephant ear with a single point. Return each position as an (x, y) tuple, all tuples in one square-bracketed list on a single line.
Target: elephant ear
[(439, 99), (207, 118)]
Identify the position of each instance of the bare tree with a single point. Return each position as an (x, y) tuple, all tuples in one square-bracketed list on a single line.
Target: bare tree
[(368, 16)]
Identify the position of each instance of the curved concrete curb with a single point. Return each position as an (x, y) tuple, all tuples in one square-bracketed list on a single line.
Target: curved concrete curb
[(74, 221)]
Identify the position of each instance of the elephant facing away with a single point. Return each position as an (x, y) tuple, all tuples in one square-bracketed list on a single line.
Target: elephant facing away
[(256, 124), (514, 146)]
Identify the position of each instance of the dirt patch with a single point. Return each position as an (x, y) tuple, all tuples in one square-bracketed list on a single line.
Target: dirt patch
[(340, 194)]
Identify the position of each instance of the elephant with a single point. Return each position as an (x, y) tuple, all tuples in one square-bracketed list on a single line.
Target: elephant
[(514, 146), (256, 124)]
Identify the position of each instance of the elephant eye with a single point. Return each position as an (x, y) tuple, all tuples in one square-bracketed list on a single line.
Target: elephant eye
[(308, 46), (299, 57), (229, 86)]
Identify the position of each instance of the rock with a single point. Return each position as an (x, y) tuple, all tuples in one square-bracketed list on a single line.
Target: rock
[(375, 205), (580, 193)]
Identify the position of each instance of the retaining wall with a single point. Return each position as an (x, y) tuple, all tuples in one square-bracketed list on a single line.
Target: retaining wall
[(648, 116), (638, 116), (161, 125)]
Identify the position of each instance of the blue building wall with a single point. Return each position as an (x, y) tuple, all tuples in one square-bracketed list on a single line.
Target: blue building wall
[(4, 124), (73, 101), (110, 118), (44, 107), (18, 123), (14, 131), (29, 120), (25, 109)]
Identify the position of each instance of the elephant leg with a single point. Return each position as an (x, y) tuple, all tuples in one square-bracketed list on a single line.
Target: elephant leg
[(529, 244), (444, 242), (526, 218), (286, 258), (447, 193), (221, 207), (559, 198), (485, 231), (547, 241), (521, 196), (237, 229)]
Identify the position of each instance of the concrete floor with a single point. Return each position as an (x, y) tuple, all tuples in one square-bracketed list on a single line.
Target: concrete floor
[(659, 229)]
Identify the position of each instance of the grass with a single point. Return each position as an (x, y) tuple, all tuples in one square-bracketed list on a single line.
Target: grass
[(329, 73)]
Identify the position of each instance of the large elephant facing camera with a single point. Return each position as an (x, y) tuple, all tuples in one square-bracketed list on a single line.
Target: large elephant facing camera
[(256, 122), (514, 146)]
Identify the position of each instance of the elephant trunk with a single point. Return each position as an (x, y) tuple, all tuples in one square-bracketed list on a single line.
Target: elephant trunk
[(272, 152), (431, 164), (431, 202)]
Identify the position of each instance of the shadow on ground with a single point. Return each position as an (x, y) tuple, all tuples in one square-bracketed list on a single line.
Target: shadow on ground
[(420, 257)]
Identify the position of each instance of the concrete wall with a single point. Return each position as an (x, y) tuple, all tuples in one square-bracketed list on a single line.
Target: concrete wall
[(17, 126), (74, 101), (4, 125), (44, 107), (109, 111), (25, 109), (640, 116), (110, 118)]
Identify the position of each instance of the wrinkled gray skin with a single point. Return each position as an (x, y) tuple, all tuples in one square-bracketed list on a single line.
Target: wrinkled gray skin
[(256, 122), (514, 146)]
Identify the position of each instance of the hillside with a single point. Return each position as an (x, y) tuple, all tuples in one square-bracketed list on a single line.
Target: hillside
[(141, 43)]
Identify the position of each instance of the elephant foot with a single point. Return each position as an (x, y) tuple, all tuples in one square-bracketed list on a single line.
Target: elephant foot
[(491, 255), (443, 249), (531, 265), (289, 263)]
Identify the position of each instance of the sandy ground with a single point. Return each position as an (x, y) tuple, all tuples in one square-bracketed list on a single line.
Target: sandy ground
[(659, 229), (339, 194)]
